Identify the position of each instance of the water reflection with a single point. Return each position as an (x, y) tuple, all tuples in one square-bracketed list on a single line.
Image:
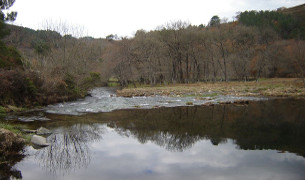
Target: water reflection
[(260, 125), (7, 171), (177, 143), (69, 148)]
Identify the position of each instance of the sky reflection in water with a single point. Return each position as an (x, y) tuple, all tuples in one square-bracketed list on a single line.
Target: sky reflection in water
[(120, 157), (264, 140)]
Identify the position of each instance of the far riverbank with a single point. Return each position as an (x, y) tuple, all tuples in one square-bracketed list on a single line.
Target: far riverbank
[(275, 87)]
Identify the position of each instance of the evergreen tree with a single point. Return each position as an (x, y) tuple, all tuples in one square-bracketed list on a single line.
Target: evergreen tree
[(10, 16), (9, 56), (215, 20), (285, 25)]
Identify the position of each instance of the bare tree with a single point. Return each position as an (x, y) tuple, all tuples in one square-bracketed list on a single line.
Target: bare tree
[(223, 45), (244, 43), (298, 58)]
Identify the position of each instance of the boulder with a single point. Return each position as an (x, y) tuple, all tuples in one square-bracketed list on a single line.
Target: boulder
[(43, 131), (39, 141)]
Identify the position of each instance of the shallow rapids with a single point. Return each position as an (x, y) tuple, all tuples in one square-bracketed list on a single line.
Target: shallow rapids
[(104, 99)]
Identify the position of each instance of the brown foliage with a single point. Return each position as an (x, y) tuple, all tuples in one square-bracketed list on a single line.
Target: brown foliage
[(179, 52), (10, 143), (62, 64), (18, 87), (10, 147)]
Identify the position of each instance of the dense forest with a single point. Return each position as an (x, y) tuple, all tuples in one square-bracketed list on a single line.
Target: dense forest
[(58, 63)]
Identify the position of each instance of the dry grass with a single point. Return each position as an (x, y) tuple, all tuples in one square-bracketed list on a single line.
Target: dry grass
[(277, 87), (10, 142)]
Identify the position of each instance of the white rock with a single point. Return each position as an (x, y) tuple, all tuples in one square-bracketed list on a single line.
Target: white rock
[(43, 131), (39, 141)]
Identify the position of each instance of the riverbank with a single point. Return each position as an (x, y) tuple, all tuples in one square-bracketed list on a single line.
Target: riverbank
[(275, 87), (11, 146)]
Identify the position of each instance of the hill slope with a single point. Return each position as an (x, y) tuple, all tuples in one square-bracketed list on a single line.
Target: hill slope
[(298, 12)]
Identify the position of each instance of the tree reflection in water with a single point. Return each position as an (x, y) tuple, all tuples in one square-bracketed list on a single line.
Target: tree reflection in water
[(69, 148), (274, 124), (175, 129)]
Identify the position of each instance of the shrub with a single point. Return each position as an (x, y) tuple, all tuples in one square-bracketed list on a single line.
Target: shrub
[(31, 88), (95, 76), (2, 110), (70, 81), (92, 81), (18, 87), (189, 103), (9, 57)]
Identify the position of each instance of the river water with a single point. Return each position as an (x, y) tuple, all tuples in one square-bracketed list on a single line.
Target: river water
[(108, 137), (104, 100)]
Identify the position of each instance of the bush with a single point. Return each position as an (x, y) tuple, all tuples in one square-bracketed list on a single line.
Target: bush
[(2, 111), (70, 82), (31, 87), (92, 81), (18, 87), (9, 57), (95, 76)]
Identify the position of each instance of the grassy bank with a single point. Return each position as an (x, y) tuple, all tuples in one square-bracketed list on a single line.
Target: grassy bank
[(275, 87), (17, 130)]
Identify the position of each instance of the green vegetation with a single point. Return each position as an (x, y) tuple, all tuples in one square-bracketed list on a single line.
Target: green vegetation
[(91, 81), (189, 103), (113, 82), (27, 137), (2, 111), (284, 24), (215, 21), (18, 87), (14, 129), (11, 108), (9, 57), (209, 95), (31, 87)]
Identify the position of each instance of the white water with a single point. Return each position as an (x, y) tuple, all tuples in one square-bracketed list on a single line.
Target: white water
[(105, 100)]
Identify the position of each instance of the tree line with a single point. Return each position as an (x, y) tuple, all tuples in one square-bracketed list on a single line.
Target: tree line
[(39, 67), (58, 64), (258, 44)]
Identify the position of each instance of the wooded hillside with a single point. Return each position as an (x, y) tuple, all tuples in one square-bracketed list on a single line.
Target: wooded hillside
[(58, 67), (58, 64), (298, 12), (259, 44)]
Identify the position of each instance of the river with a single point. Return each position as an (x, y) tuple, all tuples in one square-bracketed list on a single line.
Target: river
[(109, 137)]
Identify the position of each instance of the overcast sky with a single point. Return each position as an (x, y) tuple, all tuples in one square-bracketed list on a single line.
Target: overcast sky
[(124, 17)]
